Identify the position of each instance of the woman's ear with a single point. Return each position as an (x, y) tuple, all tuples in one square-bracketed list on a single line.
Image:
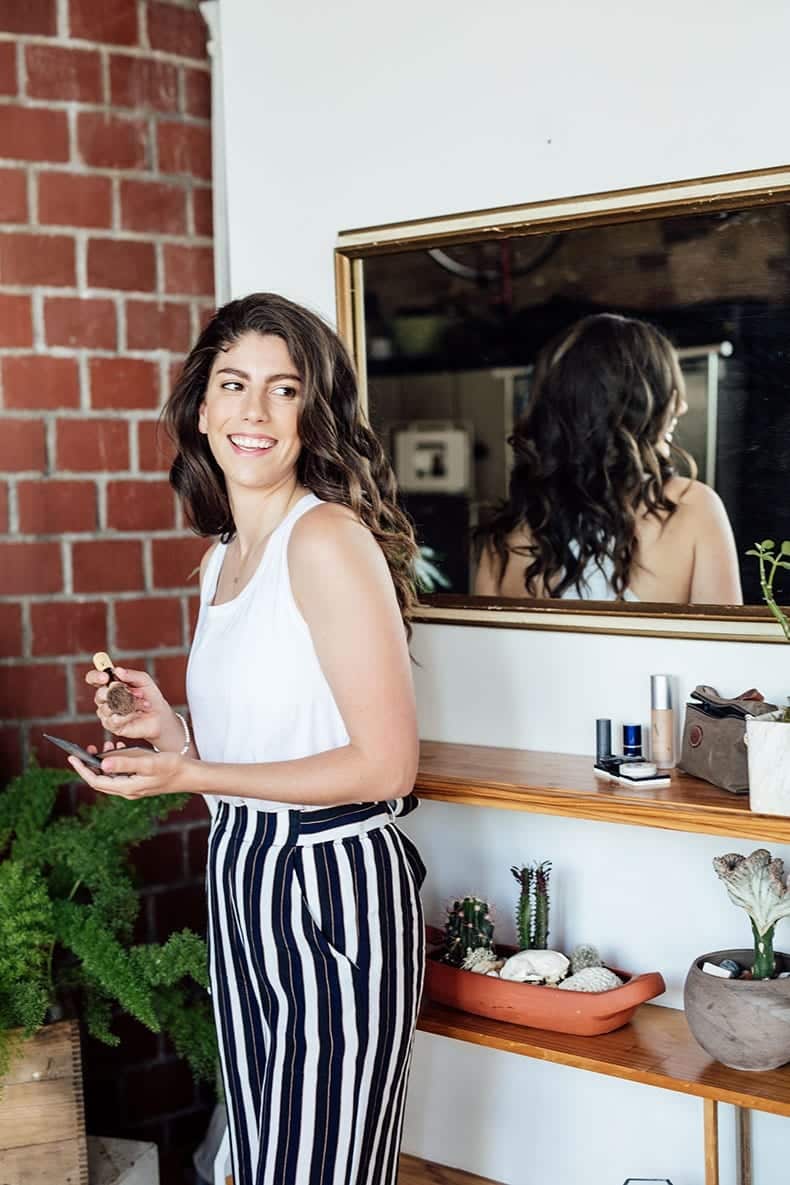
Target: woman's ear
[(202, 425)]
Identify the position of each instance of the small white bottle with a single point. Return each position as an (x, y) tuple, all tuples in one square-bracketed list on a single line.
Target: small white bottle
[(662, 722)]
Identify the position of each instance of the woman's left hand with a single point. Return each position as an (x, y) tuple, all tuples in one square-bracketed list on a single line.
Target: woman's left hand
[(148, 773)]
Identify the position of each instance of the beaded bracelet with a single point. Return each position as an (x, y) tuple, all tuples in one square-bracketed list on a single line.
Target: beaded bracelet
[(187, 736)]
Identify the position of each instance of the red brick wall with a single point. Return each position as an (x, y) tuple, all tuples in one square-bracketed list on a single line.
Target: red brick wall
[(105, 276)]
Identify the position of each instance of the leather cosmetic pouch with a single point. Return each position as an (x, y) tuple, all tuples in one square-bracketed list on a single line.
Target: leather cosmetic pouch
[(714, 732)]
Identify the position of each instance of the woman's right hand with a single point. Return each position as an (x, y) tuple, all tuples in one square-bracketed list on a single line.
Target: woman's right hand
[(152, 720)]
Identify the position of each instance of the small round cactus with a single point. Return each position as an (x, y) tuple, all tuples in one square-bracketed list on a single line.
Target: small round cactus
[(584, 955), (481, 961), (591, 979)]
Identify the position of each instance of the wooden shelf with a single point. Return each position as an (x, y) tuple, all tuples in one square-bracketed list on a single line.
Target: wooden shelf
[(655, 1048), (413, 1171), (559, 784)]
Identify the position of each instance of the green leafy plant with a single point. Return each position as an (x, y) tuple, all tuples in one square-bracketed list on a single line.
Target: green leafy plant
[(771, 561), (68, 907), (757, 884), (532, 910)]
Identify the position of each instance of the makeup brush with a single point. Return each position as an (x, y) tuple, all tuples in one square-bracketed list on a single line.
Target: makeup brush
[(119, 698)]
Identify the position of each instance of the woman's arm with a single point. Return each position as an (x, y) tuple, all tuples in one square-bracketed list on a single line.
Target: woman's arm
[(715, 577), (343, 588)]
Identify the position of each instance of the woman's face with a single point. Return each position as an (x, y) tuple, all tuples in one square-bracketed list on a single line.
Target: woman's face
[(677, 408), (250, 412)]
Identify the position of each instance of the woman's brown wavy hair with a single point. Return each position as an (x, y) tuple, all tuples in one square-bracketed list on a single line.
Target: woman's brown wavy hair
[(341, 459), (586, 462)]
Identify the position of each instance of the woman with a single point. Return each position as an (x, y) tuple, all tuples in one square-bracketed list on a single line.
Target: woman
[(596, 510), (303, 741)]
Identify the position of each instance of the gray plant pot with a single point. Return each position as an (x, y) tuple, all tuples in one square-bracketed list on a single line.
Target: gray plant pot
[(742, 1023)]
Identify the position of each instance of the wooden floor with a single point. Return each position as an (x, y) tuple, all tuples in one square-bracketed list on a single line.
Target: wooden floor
[(422, 1172)]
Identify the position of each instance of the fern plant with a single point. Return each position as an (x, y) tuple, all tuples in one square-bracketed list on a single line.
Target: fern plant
[(68, 907)]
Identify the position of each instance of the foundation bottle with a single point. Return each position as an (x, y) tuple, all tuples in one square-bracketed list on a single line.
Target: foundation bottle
[(662, 722)]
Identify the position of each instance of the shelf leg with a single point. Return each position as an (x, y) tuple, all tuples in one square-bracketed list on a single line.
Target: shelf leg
[(743, 1120), (711, 1119)]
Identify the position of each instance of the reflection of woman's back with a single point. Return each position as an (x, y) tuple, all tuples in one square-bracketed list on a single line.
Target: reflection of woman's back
[(595, 510)]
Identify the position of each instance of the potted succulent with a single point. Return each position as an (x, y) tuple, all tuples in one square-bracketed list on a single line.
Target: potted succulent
[(68, 907), (738, 1001), (768, 746), (531, 985)]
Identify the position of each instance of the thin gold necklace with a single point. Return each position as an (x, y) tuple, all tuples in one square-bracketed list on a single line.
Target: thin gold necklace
[(256, 547)]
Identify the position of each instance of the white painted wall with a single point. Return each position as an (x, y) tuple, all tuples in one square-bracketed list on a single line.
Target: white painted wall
[(360, 113)]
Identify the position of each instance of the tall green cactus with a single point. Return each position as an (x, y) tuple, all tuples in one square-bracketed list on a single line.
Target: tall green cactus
[(541, 936), (467, 928), (532, 910), (524, 907)]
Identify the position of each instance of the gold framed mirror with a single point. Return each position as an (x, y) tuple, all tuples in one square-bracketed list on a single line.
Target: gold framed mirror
[(447, 316)]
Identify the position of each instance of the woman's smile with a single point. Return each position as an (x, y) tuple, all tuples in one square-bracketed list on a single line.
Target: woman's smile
[(247, 445)]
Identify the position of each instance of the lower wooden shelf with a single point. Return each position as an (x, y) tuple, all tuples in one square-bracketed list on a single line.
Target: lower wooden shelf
[(655, 1048), (413, 1171)]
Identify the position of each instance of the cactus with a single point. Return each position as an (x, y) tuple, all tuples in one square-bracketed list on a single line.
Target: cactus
[(468, 927), (532, 911), (592, 979), (584, 955), (524, 906), (541, 937), (757, 883)]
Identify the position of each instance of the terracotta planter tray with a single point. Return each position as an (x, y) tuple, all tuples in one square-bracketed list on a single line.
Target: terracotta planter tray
[(585, 1014)]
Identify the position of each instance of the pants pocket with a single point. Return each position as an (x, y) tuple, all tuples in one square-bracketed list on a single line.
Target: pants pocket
[(327, 886)]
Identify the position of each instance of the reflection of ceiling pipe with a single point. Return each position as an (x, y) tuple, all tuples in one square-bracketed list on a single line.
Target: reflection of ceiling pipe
[(544, 251), (723, 349)]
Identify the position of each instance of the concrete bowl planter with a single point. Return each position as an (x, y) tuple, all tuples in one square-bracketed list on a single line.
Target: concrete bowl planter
[(581, 1013), (768, 748), (742, 1023)]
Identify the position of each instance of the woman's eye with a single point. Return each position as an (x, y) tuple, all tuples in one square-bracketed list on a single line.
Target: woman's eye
[(287, 392), (231, 385)]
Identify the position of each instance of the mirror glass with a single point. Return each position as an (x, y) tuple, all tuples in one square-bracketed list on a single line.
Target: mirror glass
[(452, 335)]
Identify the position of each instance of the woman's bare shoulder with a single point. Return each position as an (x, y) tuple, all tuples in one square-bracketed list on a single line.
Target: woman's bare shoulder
[(329, 520), (694, 496), (700, 512), (328, 532), (333, 558)]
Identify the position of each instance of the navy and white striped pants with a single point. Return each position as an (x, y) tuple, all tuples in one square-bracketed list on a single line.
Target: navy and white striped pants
[(316, 941)]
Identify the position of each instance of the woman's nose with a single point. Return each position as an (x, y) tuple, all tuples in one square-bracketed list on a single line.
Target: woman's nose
[(256, 406)]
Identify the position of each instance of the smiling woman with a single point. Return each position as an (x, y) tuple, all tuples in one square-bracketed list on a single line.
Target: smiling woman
[(597, 509), (305, 746)]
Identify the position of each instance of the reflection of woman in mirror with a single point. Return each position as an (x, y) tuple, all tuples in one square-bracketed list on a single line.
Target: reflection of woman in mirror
[(596, 509)]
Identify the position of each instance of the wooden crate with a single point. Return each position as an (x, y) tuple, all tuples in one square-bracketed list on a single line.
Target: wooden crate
[(42, 1118)]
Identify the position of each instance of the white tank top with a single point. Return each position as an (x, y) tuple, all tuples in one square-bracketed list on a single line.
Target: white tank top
[(255, 689), (597, 584)]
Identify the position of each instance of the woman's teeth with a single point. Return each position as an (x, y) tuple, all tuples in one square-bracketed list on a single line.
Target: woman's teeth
[(252, 443)]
